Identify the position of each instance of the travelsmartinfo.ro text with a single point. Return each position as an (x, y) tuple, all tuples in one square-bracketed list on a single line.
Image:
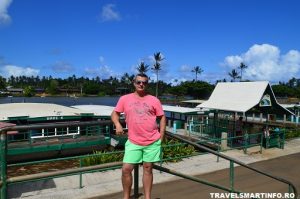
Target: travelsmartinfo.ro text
[(252, 195)]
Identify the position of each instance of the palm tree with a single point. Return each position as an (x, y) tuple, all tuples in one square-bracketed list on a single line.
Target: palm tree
[(234, 74), (142, 68), (2, 82), (242, 67), (125, 79), (197, 70), (157, 67)]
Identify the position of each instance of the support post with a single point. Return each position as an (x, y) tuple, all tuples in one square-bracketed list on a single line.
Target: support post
[(136, 181), (80, 175), (231, 176), (174, 126), (260, 117), (169, 123), (3, 154), (224, 140)]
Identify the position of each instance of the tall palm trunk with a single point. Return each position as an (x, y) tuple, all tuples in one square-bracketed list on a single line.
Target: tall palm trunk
[(156, 90)]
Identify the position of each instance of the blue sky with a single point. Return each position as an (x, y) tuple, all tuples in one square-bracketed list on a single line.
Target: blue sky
[(109, 38)]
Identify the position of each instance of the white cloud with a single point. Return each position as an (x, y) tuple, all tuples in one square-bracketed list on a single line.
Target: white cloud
[(265, 62), (101, 59), (104, 72), (109, 13), (233, 61), (62, 66), (9, 70), (4, 17), (185, 68)]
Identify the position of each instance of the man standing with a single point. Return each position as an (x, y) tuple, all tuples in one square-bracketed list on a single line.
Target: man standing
[(144, 136)]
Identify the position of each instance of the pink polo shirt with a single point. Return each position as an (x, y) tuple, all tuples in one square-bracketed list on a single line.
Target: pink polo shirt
[(140, 114)]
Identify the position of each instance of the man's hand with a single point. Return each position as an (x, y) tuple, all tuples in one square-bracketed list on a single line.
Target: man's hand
[(119, 129), (115, 117)]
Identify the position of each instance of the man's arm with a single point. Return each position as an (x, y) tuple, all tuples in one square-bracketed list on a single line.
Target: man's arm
[(162, 127), (115, 117)]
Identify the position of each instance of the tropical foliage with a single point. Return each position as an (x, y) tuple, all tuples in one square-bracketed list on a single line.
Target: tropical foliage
[(156, 68), (234, 75), (173, 151), (110, 86), (142, 68), (197, 70), (199, 89), (122, 85), (29, 91), (242, 67)]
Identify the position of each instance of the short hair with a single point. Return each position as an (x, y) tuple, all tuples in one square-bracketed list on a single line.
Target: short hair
[(141, 75)]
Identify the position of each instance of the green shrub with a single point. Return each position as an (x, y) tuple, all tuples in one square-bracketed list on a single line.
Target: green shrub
[(101, 157), (292, 133), (174, 151)]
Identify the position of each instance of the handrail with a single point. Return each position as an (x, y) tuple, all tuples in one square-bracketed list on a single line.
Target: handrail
[(51, 125), (233, 160), (3, 145), (62, 172), (170, 171)]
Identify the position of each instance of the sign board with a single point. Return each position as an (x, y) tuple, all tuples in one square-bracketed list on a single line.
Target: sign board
[(113, 142), (265, 101)]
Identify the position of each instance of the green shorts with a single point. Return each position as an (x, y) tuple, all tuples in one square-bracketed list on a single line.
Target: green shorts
[(137, 154)]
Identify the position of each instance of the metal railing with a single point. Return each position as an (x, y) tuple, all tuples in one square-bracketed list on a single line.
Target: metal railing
[(80, 160), (231, 189), (4, 149), (66, 172)]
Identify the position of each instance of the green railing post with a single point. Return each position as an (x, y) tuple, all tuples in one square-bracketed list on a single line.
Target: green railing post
[(283, 139), (290, 189), (3, 142), (80, 175), (161, 154), (107, 130), (231, 176), (136, 181), (245, 137), (30, 139), (219, 148), (261, 142)]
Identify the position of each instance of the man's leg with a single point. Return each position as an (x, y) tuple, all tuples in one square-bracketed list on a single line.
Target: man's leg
[(147, 179), (127, 179), (151, 154)]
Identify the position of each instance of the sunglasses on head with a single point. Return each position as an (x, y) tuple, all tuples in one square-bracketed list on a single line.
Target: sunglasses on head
[(141, 82)]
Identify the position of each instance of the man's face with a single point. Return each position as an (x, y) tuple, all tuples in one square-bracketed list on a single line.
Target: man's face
[(140, 83)]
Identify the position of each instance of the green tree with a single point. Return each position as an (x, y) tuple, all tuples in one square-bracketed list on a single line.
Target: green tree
[(156, 68), (197, 70), (283, 91), (53, 87), (91, 88), (242, 67), (234, 75), (29, 91), (2, 83), (143, 68)]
